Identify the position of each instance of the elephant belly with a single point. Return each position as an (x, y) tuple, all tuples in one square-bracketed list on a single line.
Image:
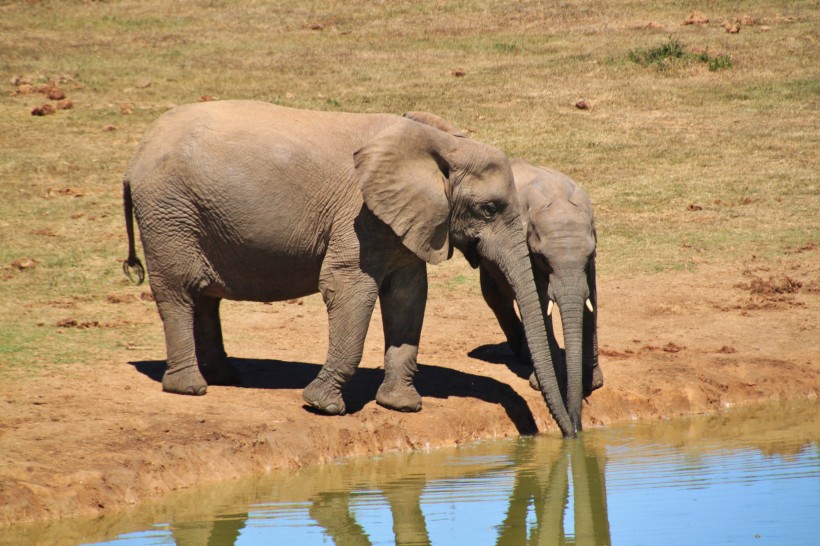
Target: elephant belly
[(268, 253), (264, 277)]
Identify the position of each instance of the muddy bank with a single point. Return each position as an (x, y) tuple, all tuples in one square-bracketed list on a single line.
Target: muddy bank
[(83, 440)]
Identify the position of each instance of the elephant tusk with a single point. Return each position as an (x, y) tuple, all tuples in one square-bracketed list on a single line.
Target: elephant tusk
[(589, 306), (549, 308)]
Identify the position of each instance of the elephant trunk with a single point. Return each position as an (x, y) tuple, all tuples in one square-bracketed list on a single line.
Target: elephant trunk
[(572, 322), (515, 263)]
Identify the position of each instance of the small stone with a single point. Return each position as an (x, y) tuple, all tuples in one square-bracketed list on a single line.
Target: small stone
[(25, 89), (696, 18), (24, 263), (43, 110), (55, 93)]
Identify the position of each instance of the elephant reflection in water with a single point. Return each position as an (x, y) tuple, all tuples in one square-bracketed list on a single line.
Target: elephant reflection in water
[(224, 530), (541, 487), (541, 482), (546, 488), (332, 511)]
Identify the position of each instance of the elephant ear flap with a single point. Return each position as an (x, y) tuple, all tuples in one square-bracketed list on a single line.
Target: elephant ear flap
[(403, 176), (581, 199)]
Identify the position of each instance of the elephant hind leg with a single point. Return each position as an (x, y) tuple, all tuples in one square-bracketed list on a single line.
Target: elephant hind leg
[(210, 349), (182, 375), (403, 297)]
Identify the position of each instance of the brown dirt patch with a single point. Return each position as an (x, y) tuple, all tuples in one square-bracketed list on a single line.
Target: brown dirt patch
[(81, 440)]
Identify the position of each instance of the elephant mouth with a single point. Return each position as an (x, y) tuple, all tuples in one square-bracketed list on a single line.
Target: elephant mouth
[(472, 254)]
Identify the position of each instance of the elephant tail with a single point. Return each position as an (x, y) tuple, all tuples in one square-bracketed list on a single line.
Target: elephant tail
[(132, 267)]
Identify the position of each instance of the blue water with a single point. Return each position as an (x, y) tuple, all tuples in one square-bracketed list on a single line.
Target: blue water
[(751, 476)]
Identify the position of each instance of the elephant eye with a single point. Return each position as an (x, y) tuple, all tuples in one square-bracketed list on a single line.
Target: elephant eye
[(489, 210)]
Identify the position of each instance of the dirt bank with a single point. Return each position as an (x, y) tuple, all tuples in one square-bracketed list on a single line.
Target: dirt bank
[(82, 440)]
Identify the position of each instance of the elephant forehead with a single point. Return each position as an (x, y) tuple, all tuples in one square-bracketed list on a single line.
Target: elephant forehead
[(486, 186), (560, 218), (565, 239), (485, 162)]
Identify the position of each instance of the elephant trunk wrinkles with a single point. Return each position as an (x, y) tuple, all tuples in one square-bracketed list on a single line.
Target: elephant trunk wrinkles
[(572, 321), (517, 268)]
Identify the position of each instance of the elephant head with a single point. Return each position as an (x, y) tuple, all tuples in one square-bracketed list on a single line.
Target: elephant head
[(562, 239), (439, 190)]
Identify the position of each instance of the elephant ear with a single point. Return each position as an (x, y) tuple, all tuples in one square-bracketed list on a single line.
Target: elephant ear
[(435, 121), (581, 199), (403, 174)]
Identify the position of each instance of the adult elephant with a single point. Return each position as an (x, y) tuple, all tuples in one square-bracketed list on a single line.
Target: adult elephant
[(561, 237), (251, 201)]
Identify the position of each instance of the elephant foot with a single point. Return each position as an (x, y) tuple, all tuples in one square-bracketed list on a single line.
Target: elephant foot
[(399, 397), (224, 373), (597, 381), (324, 396), (534, 382), (186, 380)]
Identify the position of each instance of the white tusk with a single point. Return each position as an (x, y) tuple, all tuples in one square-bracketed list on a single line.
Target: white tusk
[(549, 308), (589, 306)]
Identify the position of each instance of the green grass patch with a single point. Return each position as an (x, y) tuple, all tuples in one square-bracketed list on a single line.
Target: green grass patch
[(673, 53), (661, 55), (505, 47)]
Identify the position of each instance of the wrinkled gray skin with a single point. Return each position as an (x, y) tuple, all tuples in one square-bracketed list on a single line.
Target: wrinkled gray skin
[(251, 201), (561, 236)]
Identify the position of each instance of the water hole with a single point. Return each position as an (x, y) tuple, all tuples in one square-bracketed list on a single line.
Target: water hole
[(746, 476)]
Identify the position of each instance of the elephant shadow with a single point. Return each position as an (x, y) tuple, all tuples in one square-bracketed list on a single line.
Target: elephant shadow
[(431, 381), (500, 353)]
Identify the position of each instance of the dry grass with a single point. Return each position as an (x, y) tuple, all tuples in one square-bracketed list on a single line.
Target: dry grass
[(684, 164)]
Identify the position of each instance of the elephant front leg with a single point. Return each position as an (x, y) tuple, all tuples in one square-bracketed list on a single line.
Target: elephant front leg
[(403, 297), (182, 375), (593, 375), (350, 301)]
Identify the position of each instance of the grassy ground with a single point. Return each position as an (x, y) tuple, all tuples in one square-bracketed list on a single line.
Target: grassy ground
[(686, 160)]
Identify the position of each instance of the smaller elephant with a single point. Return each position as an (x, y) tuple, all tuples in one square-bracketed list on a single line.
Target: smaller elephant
[(561, 236)]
